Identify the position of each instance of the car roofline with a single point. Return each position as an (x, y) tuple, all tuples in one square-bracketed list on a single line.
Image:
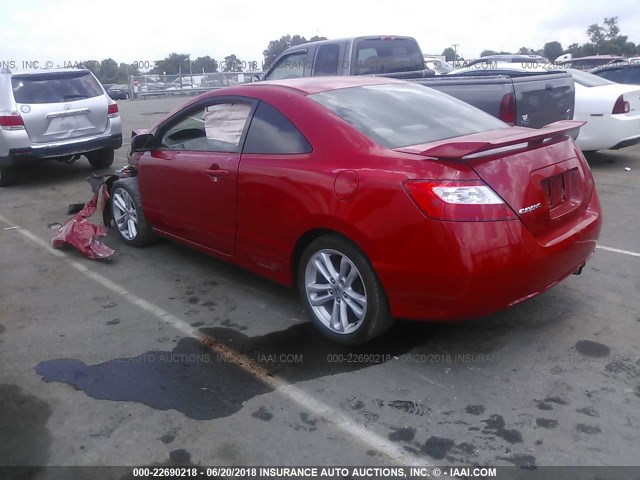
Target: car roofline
[(46, 71), (346, 39), (348, 82)]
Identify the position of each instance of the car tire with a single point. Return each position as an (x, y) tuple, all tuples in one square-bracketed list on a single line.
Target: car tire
[(8, 176), (327, 281), (127, 214), (102, 158)]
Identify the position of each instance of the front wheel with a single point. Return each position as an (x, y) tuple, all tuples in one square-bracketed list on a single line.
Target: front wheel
[(341, 291), (127, 214)]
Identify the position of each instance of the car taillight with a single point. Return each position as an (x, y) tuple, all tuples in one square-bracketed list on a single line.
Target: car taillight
[(112, 111), (508, 109), (620, 106), (459, 201), (11, 121)]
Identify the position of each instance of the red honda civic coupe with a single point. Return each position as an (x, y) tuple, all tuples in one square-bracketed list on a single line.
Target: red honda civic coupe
[(376, 198)]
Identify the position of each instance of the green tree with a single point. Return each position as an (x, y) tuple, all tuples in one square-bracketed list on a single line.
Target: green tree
[(596, 34), (276, 47), (611, 29), (450, 54), (173, 64), (232, 64), (606, 39), (527, 51), (552, 50), (575, 49), (108, 71), (124, 70), (205, 64)]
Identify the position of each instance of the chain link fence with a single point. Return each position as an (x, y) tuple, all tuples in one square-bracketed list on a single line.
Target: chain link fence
[(150, 86)]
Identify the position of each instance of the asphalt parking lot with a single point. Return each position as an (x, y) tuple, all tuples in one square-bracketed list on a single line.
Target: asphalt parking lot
[(101, 362)]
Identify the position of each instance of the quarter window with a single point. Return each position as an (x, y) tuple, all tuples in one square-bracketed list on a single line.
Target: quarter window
[(327, 61), (291, 66), (213, 128), (272, 133)]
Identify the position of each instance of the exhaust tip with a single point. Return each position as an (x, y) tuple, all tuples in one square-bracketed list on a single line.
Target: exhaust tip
[(579, 270)]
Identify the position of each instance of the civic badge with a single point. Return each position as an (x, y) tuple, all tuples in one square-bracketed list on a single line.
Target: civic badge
[(530, 208)]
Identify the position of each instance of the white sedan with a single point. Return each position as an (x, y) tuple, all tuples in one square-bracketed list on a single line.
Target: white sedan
[(611, 110)]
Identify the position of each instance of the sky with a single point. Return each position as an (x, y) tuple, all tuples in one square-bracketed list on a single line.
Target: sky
[(66, 31)]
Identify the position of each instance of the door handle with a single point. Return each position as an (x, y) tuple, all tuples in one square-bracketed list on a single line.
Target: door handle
[(215, 171), (219, 173)]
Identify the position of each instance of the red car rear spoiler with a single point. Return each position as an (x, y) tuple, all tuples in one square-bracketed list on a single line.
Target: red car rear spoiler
[(462, 148)]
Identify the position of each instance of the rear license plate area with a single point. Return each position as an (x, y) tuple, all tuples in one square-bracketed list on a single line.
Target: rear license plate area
[(562, 192)]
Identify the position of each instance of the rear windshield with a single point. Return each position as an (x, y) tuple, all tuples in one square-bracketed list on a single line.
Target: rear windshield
[(586, 64), (375, 56), (588, 79), (54, 87), (399, 115)]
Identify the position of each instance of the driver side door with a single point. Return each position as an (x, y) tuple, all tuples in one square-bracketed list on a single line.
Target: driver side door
[(189, 182)]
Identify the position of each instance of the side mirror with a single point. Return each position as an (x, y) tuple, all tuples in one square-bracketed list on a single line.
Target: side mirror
[(144, 142)]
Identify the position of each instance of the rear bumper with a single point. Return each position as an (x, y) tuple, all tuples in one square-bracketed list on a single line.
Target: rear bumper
[(609, 132), (35, 154), (475, 269), (627, 143)]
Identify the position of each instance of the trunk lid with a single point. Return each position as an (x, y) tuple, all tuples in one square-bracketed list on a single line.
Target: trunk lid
[(540, 174), (59, 106), (599, 100)]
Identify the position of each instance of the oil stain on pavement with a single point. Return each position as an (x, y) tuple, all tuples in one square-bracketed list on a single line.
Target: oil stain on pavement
[(202, 385), (23, 423)]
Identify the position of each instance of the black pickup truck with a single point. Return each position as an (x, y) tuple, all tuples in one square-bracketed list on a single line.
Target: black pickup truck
[(529, 99)]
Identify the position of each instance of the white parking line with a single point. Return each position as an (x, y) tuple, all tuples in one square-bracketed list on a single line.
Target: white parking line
[(334, 417), (617, 250)]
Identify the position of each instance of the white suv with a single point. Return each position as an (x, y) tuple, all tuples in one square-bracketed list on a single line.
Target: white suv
[(56, 114)]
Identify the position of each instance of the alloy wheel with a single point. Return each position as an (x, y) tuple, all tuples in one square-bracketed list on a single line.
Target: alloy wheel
[(125, 214), (335, 291)]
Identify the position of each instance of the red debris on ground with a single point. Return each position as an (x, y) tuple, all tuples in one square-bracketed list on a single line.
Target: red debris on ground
[(82, 234)]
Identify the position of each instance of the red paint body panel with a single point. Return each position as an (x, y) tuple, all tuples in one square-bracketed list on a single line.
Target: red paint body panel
[(430, 269), (180, 197)]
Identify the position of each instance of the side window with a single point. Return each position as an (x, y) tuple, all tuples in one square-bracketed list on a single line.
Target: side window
[(213, 128), (367, 61), (613, 75), (291, 66), (632, 75), (272, 133), (327, 61)]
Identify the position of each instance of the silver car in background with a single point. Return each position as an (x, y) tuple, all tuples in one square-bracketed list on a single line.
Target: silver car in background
[(58, 115)]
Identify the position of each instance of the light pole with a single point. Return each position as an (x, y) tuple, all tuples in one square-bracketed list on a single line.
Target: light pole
[(455, 52)]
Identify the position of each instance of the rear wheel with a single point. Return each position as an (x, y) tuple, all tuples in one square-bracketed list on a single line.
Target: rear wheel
[(101, 158), (8, 176), (127, 214), (341, 291)]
